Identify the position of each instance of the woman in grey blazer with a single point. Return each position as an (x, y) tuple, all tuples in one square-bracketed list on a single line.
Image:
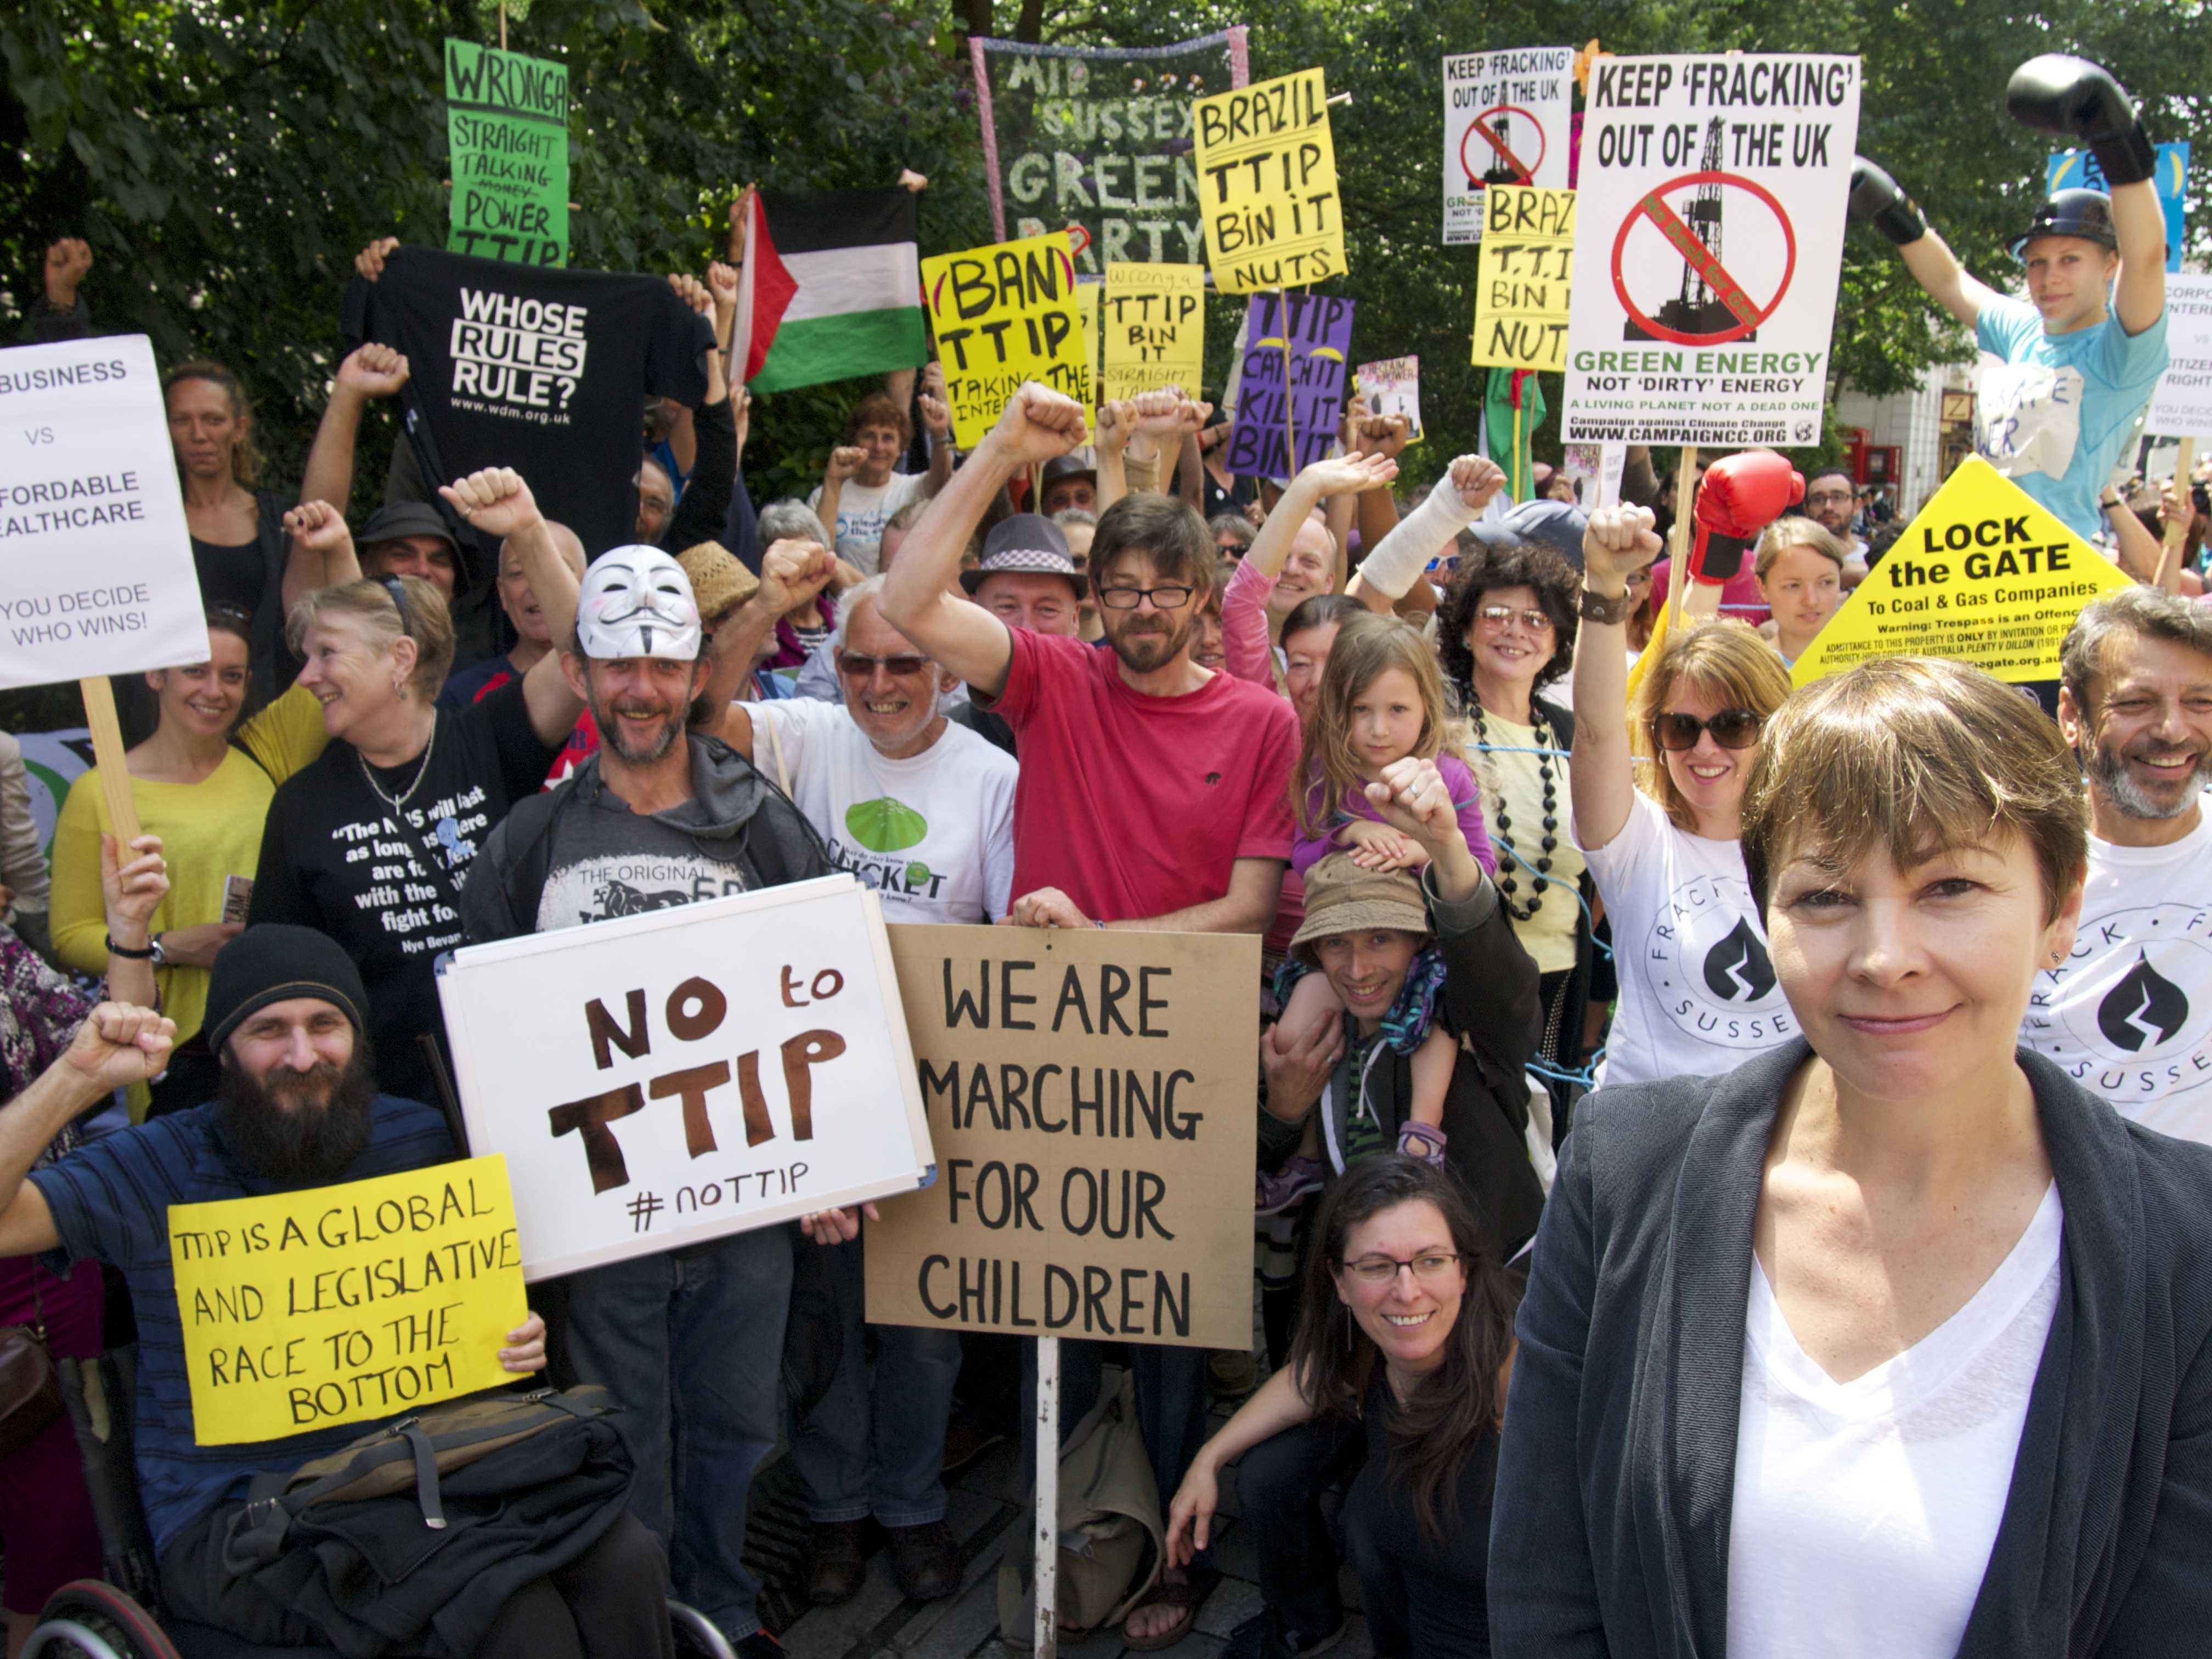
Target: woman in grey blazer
[(1893, 1341)]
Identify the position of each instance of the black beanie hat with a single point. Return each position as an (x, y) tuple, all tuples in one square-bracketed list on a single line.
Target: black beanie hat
[(276, 962)]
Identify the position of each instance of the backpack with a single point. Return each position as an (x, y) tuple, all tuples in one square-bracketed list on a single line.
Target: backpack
[(1112, 1543), (413, 1451)]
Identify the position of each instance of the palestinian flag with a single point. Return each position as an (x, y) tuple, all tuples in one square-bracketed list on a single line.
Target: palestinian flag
[(831, 287)]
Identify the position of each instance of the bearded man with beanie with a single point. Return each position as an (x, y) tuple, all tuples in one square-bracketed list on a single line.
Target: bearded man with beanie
[(664, 815), (296, 1107)]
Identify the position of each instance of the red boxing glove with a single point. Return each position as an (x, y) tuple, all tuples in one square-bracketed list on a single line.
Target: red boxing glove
[(1741, 495)]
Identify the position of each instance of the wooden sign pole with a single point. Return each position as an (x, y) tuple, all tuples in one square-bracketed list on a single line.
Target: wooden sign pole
[(107, 754), (1677, 539), (1290, 420), (2177, 532)]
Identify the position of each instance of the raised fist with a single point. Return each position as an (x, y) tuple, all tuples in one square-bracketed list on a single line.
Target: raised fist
[(373, 371), (495, 501)]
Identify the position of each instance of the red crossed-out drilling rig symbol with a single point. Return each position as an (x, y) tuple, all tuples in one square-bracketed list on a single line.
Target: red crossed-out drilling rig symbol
[(1712, 307), (1501, 163)]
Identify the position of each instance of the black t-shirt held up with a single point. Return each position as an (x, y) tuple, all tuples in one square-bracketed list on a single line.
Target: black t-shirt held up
[(539, 368)]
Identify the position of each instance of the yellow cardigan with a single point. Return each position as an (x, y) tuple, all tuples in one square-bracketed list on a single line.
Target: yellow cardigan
[(210, 830)]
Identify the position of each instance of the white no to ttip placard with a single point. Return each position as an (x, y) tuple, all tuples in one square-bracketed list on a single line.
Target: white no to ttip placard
[(95, 562), (1506, 117), (2181, 405), (1710, 236), (705, 1069)]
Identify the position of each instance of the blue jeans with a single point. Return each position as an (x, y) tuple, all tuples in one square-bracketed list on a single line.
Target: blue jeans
[(887, 1461), (691, 1343)]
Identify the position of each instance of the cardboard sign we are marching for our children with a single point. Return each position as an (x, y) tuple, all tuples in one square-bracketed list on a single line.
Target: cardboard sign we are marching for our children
[(669, 1076), (1983, 575), (1090, 1098)]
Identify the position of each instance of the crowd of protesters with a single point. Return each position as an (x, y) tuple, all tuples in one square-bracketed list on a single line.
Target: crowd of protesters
[(1729, 1156)]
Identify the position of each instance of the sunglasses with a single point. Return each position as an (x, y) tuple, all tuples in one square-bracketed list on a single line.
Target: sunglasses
[(1535, 622), (859, 667), (1732, 728)]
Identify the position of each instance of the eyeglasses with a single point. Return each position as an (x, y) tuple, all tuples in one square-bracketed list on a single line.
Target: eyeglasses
[(1163, 598), (860, 668), (1732, 728), (1382, 1269), (1536, 622), (1824, 497)]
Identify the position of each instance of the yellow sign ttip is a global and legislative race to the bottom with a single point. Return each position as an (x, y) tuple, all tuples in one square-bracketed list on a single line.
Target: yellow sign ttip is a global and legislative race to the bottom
[(1984, 575), (348, 1303)]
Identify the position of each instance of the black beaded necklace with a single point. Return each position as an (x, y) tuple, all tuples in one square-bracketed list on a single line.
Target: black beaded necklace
[(1507, 878)]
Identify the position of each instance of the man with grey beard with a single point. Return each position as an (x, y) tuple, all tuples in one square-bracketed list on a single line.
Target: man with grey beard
[(2129, 1012)]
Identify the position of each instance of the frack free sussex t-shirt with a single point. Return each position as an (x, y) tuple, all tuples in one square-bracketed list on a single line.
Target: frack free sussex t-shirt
[(338, 857), (2129, 1014), (544, 370)]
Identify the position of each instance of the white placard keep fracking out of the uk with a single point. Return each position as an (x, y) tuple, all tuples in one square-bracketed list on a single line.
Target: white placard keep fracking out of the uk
[(95, 562), (667, 1078), (1711, 206), (1507, 118)]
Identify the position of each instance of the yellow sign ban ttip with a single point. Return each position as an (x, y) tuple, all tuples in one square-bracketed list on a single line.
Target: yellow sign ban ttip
[(1983, 576)]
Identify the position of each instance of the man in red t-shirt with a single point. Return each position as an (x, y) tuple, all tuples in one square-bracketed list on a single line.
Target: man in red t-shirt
[(1154, 794)]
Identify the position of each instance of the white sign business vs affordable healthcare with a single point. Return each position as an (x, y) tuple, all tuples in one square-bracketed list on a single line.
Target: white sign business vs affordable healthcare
[(2181, 403), (1712, 209), (95, 562), (1506, 118), (703, 1069)]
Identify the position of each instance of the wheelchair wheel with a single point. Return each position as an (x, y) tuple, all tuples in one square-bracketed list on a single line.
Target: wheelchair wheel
[(696, 1636), (89, 1618)]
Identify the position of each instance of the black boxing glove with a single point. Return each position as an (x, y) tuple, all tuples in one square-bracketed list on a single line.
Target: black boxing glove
[(2073, 98), (1877, 199)]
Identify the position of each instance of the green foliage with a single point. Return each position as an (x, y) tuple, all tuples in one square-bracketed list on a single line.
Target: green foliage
[(227, 160)]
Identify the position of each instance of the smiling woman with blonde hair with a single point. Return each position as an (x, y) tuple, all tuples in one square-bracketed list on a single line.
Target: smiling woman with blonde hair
[(1697, 989), (1894, 1340), (202, 782)]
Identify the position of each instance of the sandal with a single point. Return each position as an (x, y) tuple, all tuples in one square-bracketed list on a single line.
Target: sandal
[(1198, 1583)]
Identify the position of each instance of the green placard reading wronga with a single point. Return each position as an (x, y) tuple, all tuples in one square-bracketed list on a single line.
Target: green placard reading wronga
[(507, 118)]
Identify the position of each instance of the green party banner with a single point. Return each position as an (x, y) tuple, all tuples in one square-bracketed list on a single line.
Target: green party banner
[(507, 118)]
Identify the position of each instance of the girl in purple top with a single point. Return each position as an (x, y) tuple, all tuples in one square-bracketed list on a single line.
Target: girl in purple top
[(1381, 700)]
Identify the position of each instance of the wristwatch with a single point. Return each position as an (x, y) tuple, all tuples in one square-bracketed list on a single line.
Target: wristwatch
[(152, 953), (1597, 608)]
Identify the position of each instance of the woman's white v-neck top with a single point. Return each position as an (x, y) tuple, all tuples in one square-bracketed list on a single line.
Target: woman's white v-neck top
[(1865, 1511)]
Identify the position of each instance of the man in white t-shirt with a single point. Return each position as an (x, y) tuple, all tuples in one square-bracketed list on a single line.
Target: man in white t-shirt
[(859, 492), (2129, 1014), (919, 809)]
